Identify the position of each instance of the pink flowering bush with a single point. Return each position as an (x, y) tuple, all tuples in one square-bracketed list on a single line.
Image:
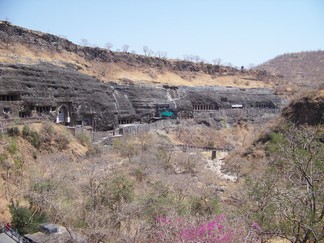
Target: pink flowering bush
[(181, 230)]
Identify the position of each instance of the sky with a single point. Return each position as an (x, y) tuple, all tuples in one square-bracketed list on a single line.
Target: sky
[(240, 32)]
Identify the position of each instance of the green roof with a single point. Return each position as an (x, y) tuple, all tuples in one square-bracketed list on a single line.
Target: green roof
[(167, 113)]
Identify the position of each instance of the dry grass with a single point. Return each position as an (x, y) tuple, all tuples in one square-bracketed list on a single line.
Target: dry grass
[(4, 212), (303, 68), (75, 148), (26, 151), (117, 72)]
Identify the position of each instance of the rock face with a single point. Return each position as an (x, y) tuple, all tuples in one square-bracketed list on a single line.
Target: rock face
[(66, 96), (306, 110)]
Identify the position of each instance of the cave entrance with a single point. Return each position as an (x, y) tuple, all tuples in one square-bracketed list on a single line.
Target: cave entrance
[(63, 115)]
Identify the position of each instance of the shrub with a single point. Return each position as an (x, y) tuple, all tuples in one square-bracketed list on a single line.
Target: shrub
[(25, 132), (84, 140), (94, 150), (160, 202), (119, 190), (203, 206), (139, 174), (35, 139), (13, 131), (18, 164), (3, 157), (62, 142), (12, 147), (48, 129), (42, 186), (25, 220), (34, 155), (126, 147), (32, 136)]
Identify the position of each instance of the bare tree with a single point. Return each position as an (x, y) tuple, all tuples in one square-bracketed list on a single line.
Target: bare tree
[(197, 59), (145, 50), (251, 66), (289, 198), (7, 20), (108, 46), (186, 57), (150, 52), (84, 42), (125, 48), (161, 54), (217, 61)]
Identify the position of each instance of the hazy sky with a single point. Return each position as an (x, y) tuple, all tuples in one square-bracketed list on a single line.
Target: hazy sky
[(240, 32)]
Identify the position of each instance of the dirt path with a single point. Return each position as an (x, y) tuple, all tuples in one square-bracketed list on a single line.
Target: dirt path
[(216, 165)]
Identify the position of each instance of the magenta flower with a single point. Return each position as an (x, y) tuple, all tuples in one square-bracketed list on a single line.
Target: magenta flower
[(256, 226)]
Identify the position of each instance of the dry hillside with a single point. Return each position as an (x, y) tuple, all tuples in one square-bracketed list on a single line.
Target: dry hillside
[(20, 45), (302, 68)]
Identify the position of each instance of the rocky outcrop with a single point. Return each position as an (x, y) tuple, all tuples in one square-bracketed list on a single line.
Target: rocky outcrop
[(308, 109), (64, 94), (43, 89), (45, 85)]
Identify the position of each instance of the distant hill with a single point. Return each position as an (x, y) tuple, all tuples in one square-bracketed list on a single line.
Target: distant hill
[(302, 68)]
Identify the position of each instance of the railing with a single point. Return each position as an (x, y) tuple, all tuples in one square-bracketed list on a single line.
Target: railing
[(187, 147), (13, 234), (236, 112), (132, 129)]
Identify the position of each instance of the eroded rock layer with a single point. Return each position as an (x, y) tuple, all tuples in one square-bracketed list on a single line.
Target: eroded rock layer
[(67, 96)]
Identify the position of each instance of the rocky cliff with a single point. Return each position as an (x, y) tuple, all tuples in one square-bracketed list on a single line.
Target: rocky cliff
[(308, 109), (42, 75), (37, 87)]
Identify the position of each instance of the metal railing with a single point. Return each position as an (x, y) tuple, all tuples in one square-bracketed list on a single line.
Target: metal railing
[(13, 234)]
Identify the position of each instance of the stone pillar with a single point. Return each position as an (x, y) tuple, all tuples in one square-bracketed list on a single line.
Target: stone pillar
[(213, 155)]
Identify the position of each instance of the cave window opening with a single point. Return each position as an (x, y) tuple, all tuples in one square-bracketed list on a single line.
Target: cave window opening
[(7, 110), (42, 109), (9, 97), (205, 107), (124, 121)]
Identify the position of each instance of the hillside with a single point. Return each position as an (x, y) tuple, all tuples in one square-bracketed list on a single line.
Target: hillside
[(280, 173), (22, 46), (230, 166), (141, 186), (45, 76), (302, 68)]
